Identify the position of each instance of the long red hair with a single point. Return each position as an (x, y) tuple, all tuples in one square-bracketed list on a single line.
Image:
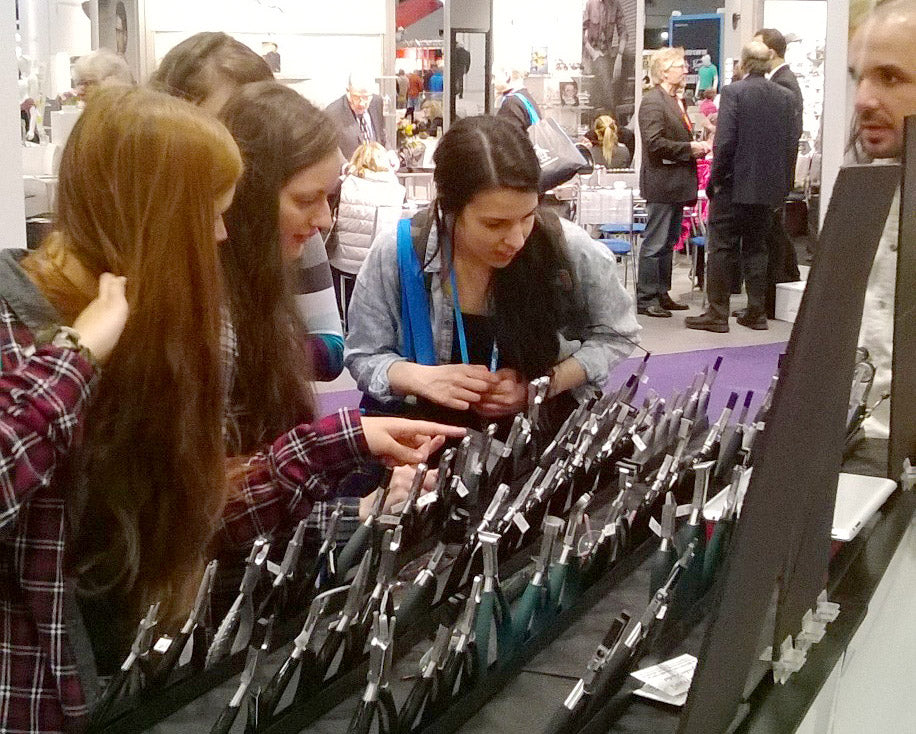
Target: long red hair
[(139, 180)]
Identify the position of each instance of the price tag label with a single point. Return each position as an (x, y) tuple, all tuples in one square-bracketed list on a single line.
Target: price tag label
[(461, 490), (427, 499), (162, 645), (520, 522), (638, 442)]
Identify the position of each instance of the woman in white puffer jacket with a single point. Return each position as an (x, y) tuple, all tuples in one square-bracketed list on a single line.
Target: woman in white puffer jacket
[(370, 199)]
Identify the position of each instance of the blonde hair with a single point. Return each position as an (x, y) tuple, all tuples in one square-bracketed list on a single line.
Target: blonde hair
[(661, 60), (370, 156), (606, 130), (139, 180)]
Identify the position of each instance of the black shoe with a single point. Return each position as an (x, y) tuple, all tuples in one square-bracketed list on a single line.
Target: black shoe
[(670, 304), (655, 311), (758, 324), (705, 322)]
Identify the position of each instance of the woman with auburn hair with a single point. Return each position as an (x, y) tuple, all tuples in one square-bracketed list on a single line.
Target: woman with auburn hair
[(115, 492), (210, 69)]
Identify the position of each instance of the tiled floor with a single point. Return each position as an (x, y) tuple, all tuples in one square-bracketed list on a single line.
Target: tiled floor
[(665, 336)]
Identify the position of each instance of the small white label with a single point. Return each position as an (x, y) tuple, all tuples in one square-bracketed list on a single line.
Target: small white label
[(520, 522), (461, 490), (427, 499), (638, 442), (655, 527), (162, 645)]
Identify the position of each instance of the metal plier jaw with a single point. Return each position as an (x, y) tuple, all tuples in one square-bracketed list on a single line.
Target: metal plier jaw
[(143, 640), (463, 633), (381, 648)]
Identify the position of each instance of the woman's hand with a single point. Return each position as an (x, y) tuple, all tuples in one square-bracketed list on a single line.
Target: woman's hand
[(507, 397), (398, 489), (100, 324), (402, 441), (456, 386)]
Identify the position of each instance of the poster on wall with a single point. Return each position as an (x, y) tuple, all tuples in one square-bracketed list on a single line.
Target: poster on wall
[(699, 36), (609, 57)]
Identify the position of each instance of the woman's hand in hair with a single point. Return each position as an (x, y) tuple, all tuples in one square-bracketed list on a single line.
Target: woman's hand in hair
[(100, 324), (398, 489), (456, 386), (401, 441), (507, 397)]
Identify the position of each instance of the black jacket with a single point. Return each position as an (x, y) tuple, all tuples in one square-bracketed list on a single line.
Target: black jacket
[(669, 171), (514, 110), (784, 77), (756, 139), (348, 127)]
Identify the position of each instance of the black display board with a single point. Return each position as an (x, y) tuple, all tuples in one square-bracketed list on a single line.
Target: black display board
[(782, 541), (903, 380), (697, 35)]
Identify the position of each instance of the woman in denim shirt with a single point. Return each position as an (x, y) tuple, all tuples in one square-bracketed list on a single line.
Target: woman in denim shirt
[(536, 295)]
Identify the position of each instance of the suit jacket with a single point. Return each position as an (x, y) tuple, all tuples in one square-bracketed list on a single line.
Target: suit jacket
[(756, 139), (348, 127), (669, 171), (784, 77)]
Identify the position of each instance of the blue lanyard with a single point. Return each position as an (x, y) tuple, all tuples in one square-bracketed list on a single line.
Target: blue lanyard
[(459, 327)]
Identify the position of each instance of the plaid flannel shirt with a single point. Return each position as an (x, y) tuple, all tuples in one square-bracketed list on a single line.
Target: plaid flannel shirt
[(40, 688)]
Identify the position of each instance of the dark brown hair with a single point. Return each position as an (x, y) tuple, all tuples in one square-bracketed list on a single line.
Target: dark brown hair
[(139, 179), (196, 65), (531, 303), (280, 133)]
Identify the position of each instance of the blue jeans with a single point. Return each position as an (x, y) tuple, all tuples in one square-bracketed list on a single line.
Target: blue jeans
[(663, 227)]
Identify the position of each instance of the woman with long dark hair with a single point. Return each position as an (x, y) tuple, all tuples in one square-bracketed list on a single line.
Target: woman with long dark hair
[(515, 293)]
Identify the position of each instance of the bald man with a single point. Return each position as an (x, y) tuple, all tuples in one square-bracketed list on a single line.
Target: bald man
[(882, 63)]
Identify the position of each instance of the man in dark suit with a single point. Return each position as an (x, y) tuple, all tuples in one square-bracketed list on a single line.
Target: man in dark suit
[(667, 179), (756, 138), (358, 115), (782, 265)]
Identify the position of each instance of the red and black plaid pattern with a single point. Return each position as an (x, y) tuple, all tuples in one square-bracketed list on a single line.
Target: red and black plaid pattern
[(42, 395)]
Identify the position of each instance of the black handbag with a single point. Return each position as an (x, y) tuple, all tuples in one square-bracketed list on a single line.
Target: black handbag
[(559, 158)]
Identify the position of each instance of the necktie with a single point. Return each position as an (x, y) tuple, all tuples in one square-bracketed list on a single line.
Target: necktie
[(365, 135)]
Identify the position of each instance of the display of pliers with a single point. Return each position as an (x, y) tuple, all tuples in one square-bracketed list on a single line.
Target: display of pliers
[(563, 581), (709, 451), (258, 647), (533, 609), (694, 534), (346, 638), (234, 631), (377, 704), (361, 540), (169, 661), (128, 679), (493, 611), (302, 658), (426, 686), (730, 449), (567, 719)]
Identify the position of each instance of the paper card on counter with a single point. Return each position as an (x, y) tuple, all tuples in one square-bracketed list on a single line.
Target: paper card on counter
[(668, 681)]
